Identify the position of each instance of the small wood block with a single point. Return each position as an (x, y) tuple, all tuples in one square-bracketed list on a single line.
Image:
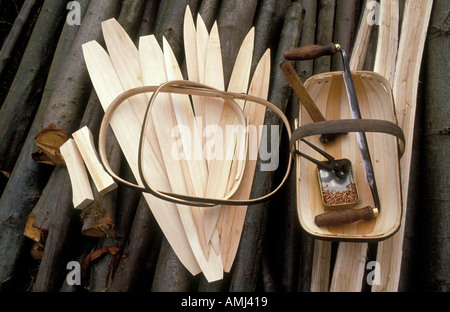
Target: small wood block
[(81, 188), (85, 143)]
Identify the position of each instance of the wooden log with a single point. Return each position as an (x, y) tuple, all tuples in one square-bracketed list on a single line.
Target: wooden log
[(324, 33), (305, 68), (131, 14), (21, 192), (170, 274), (208, 11), (23, 95), (102, 272), (345, 28), (297, 247), (234, 20), (169, 25), (71, 89), (148, 18), (49, 277), (46, 205), (74, 86), (138, 246), (436, 196), (248, 259), (16, 30), (263, 23)]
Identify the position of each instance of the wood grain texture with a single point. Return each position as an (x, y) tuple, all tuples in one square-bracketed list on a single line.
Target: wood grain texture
[(85, 143), (416, 17), (82, 194)]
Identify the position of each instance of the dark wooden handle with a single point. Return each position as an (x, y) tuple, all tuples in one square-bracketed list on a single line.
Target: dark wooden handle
[(310, 52), (346, 216)]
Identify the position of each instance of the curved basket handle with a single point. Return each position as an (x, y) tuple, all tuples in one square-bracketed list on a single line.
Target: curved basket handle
[(349, 125), (190, 88)]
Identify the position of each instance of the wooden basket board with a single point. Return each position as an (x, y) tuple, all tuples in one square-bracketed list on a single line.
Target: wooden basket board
[(376, 102)]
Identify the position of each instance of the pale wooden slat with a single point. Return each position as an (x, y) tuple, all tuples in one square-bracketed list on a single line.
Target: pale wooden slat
[(234, 216), (221, 168), (387, 44), (85, 143), (416, 17), (82, 194)]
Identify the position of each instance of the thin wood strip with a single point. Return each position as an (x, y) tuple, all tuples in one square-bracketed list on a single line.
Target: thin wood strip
[(416, 17), (387, 44), (213, 78), (362, 38), (234, 216), (82, 194)]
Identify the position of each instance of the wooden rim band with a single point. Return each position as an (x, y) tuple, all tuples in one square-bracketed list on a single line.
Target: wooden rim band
[(188, 88)]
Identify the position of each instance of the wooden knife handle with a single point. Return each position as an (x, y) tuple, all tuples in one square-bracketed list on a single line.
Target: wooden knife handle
[(346, 216), (310, 52)]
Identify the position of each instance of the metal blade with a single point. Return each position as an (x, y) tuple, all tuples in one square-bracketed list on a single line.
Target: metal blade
[(360, 136)]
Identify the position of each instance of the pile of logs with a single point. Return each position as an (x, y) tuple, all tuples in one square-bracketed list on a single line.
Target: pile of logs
[(45, 86)]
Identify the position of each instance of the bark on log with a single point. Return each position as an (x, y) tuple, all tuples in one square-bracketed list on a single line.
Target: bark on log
[(263, 24), (139, 244), (248, 259), (283, 223), (130, 16), (46, 204), (436, 217), (345, 28), (324, 35), (64, 110), (102, 272), (148, 18), (21, 192), (170, 274), (24, 93), (50, 277), (170, 25), (298, 247), (14, 34), (208, 10), (234, 20)]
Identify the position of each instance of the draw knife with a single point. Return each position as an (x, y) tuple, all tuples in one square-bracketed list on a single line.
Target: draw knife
[(360, 136)]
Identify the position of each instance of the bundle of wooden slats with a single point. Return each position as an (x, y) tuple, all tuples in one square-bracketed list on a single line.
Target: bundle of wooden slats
[(121, 239)]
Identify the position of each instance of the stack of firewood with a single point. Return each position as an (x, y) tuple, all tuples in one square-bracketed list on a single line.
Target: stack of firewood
[(47, 95)]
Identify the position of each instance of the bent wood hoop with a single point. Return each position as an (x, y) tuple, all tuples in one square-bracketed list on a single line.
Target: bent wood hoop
[(376, 103), (190, 88)]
